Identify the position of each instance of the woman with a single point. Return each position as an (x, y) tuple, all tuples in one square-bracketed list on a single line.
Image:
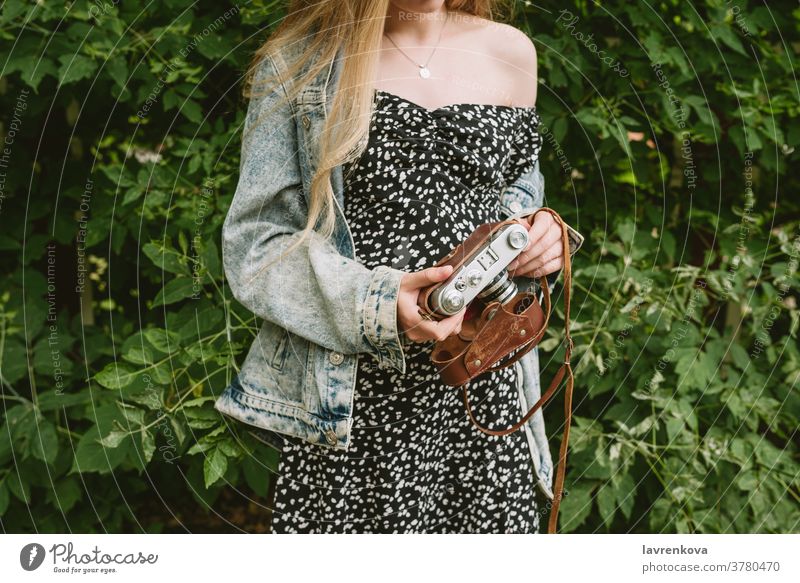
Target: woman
[(380, 135)]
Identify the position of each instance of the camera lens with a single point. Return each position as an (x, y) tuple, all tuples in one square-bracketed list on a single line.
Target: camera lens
[(502, 288)]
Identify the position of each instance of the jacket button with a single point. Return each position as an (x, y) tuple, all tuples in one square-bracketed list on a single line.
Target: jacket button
[(336, 358), (515, 206), (330, 436), (306, 122)]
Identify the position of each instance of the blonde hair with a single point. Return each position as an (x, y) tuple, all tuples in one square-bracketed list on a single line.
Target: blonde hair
[(325, 26)]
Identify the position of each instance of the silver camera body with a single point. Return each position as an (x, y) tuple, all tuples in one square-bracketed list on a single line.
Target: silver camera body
[(484, 273)]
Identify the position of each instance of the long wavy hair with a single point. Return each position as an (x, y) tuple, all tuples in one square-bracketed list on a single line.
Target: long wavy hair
[(323, 27)]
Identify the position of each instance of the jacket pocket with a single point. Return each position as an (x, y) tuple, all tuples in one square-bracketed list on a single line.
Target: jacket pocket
[(279, 358), (276, 368)]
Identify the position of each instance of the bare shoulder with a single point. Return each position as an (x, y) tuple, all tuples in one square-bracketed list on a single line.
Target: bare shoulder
[(516, 53), (513, 52)]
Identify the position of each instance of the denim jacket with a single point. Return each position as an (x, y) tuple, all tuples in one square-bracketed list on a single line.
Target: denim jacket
[(321, 310)]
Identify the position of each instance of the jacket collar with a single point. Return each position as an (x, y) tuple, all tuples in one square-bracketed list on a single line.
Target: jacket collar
[(321, 88)]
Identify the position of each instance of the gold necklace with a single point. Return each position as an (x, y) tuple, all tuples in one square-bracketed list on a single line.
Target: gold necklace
[(424, 72)]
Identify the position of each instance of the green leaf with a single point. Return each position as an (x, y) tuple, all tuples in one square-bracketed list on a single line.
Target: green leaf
[(674, 428), (226, 445), (20, 426), (559, 129), (747, 481), (198, 402), (625, 493), (214, 46), (74, 68), (4, 498), (178, 429), (131, 414), (148, 444), (118, 70), (139, 355), (132, 194), (19, 486), (36, 70), (66, 494), (605, 271), (214, 467), (724, 33), (200, 447), (45, 443), (192, 110), (607, 503), (211, 260), (163, 340), (116, 375), (176, 290), (114, 439), (14, 8), (92, 456), (166, 258), (52, 400), (576, 506), (740, 356), (13, 360), (257, 474), (200, 319)]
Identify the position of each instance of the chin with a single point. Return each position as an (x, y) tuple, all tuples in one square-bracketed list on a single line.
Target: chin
[(419, 5)]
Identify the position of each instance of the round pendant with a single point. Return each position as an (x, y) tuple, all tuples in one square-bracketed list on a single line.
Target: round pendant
[(424, 72)]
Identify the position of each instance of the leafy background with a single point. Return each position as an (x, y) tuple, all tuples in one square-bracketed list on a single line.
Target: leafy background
[(121, 128)]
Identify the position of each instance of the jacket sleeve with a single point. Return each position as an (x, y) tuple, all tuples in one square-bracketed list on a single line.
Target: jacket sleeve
[(314, 291)]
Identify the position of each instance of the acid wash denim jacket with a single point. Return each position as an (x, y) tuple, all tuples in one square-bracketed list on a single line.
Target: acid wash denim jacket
[(320, 309)]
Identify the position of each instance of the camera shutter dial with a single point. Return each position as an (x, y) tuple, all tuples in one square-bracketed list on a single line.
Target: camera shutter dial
[(474, 278), (453, 301), (517, 239)]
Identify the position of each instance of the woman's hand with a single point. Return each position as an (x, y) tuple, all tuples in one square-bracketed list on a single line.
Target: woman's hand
[(410, 322), (544, 253)]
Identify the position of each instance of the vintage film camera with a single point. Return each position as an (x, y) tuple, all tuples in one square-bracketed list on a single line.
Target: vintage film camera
[(481, 274)]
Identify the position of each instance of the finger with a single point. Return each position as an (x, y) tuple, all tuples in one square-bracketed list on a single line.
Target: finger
[(541, 225), (544, 244), (449, 326), (426, 277), (455, 320), (549, 267), (553, 252), (426, 330), (422, 329)]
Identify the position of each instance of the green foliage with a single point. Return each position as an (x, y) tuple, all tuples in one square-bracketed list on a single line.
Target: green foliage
[(117, 331), (678, 166)]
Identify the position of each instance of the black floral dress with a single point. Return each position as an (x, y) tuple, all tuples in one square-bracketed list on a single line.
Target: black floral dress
[(416, 463)]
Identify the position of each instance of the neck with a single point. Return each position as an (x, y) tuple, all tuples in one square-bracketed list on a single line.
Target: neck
[(415, 27)]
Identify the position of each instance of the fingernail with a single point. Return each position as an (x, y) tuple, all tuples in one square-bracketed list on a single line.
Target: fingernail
[(512, 265)]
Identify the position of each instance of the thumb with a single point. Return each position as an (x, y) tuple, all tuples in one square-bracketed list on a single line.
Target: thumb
[(426, 277)]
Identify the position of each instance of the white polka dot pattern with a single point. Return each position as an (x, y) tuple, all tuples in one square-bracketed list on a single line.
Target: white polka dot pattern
[(427, 178)]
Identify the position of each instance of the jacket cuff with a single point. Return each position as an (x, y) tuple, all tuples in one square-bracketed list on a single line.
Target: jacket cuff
[(380, 317)]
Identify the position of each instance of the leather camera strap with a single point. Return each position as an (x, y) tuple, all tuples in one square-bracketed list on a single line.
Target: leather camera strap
[(564, 369)]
